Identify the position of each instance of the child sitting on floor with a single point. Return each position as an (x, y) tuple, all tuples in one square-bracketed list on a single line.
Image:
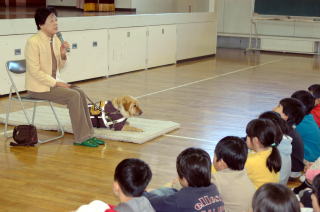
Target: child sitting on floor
[(292, 111), (308, 128), (313, 177), (131, 178), (198, 193), (284, 146), (231, 178), (273, 197), (315, 91), (264, 162)]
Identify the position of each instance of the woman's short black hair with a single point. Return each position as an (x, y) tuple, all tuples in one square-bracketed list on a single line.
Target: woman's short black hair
[(273, 197), (42, 14), (133, 176), (306, 98), (194, 165), (233, 151), (294, 109)]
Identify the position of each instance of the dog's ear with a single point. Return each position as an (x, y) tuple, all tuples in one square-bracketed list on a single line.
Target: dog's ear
[(126, 102)]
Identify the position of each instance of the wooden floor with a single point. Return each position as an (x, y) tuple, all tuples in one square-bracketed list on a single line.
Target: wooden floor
[(212, 97)]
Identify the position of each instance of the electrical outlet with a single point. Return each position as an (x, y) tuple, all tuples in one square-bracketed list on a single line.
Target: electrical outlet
[(17, 52)]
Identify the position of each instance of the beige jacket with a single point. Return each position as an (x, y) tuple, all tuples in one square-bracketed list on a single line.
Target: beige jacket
[(235, 188), (39, 62)]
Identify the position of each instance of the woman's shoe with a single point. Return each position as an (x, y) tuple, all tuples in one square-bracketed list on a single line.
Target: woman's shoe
[(97, 141), (88, 143)]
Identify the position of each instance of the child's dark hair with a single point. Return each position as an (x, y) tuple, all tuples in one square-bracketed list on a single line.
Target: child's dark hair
[(133, 176), (282, 127), (316, 187), (315, 90), (233, 151), (273, 197), (194, 165), (42, 14), (265, 131), (294, 109), (306, 98)]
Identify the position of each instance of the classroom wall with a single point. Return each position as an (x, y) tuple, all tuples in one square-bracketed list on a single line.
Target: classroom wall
[(123, 3), (234, 18), (191, 5), (153, 6), (165, 6), (234, 21)]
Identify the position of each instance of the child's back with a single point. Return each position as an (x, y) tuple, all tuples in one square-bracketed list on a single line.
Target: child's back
[(231, 179), (235, 188), (285, 149), (198, 193), (189, 199), (315, 91), (307, 128), (283, 142), (264, 161), (310, 134), (136, 204), (257, 170)]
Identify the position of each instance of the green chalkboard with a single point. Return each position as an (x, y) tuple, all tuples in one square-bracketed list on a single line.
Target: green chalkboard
[(309, 8)]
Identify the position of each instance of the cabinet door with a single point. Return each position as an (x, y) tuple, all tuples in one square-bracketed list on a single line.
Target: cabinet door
[(88, 55), (196, 39), (12, 48), (95, 55), (161, 45), (73, 70), (127, 49)]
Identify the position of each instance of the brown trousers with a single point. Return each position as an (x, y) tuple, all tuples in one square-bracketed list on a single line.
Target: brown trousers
[(75, 99)]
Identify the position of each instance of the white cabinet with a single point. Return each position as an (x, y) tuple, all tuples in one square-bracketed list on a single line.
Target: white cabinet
[(12, 48), (65, 3), (162, 45), (88, 57), (196, 39), (127, 49)]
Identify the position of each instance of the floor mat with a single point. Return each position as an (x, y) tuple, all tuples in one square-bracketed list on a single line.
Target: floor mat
[(46, 121)]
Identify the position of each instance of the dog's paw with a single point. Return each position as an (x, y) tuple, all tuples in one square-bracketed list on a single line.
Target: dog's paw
[(131, 128)]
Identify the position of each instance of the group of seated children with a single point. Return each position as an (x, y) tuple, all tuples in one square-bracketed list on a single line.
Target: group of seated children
[(246, 175)]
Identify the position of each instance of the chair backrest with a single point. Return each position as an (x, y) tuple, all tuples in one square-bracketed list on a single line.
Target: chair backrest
[(16, 66)]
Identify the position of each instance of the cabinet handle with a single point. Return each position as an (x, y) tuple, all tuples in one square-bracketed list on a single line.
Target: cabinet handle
[(162, 31), (128, 34)]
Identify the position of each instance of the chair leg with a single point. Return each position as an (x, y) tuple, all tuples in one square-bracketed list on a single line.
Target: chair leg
[(5, 133), (34, 112), (60, 128)]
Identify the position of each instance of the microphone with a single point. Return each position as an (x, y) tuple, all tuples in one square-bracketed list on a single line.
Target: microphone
[(59, 35)]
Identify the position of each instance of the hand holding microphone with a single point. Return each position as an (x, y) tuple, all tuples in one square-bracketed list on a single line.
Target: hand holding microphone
[(65, 46)]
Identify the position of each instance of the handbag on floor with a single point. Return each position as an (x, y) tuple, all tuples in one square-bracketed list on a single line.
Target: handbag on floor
[(24, 135)]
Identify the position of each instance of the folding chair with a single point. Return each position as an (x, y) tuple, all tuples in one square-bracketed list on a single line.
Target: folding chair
[(19, 67)]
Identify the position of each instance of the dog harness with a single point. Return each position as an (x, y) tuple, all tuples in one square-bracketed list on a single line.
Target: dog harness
[(111, 117)]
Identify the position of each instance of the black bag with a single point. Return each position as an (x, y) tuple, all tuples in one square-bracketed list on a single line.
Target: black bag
[(24, 135)]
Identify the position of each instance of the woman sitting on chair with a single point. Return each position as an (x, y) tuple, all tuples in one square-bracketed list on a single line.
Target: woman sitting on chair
[(45, 55)]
